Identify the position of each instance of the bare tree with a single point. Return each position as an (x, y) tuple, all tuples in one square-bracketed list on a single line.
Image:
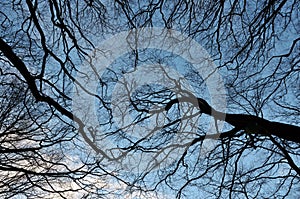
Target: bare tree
[(98, 101)]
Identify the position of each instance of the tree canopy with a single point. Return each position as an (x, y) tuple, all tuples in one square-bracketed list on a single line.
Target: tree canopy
[(149, 99)]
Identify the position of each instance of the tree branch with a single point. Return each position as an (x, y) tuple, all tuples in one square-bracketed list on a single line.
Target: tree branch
[(250, 123), (21, 67)]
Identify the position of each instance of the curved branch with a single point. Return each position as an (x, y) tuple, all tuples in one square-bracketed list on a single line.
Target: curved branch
[(21, 67), (250, 123)]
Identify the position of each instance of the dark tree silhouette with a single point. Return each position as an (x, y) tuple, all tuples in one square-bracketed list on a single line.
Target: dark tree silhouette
[(81, 117)]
